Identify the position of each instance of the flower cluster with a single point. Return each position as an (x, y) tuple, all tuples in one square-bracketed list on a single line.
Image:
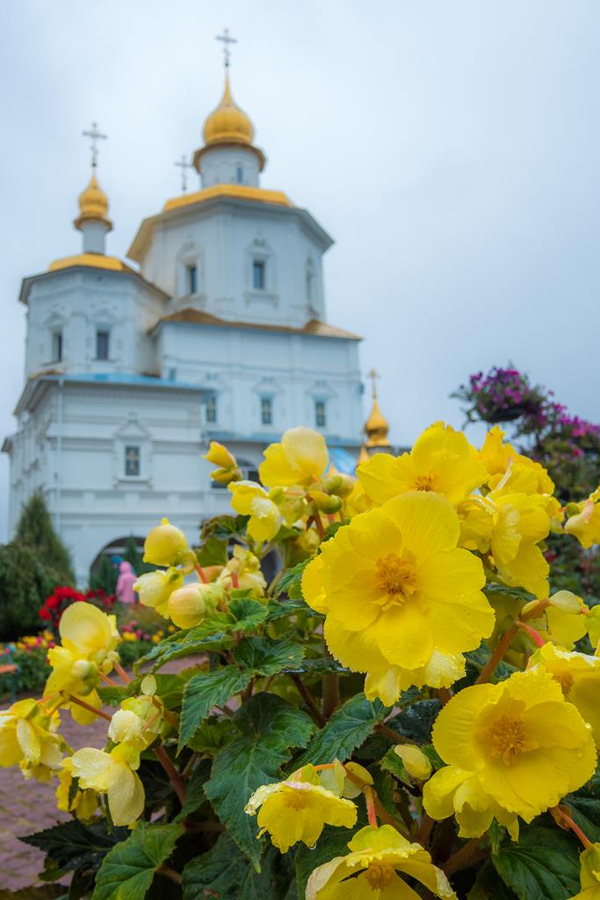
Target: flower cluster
[(425, 580), (62, 597)]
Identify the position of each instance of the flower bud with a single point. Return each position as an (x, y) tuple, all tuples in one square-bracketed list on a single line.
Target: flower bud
[(190, 605), (220, 456), (415, 762), (325, 503), (566, 601), (81, 668), (125, 726), (155, 588), (226, 476), (164, 544)]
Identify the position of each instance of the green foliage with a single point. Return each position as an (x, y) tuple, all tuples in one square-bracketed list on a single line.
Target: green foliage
[(105, 575), (25, 582), (347, 729), (129, 868), (73, 847), (35, 530), (225, 873), (33, 670), (268, 729), (542, 865)]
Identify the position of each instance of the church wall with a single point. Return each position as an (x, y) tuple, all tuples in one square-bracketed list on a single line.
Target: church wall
[(222, 241)]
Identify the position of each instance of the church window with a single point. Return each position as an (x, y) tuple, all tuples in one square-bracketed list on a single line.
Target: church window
[(132, 461), (192, 279), (57, 346), (102, 344), (210, 408), (310, 281), (239, 174), (320, 414), (266, 410), (258, 274)]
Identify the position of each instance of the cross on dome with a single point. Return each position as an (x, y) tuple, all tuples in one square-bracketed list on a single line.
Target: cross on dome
[(226, 39), (183, 164), (373, 374), (94, 136)]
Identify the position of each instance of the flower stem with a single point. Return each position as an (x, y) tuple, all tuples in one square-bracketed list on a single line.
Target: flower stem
[(331, 693), (309, 700), (108, 680), (425, 829), (463, 857), (533, 634), (201, 574), (564, 820), (394, 736), (122, 673), (174, 776), (370, 799), (84, 705), (496, 657)]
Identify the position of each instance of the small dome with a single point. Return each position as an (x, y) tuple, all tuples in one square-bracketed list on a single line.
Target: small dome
[(93, 204), (377, 428), (228, 124)]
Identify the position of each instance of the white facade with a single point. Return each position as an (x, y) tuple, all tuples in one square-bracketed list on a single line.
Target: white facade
[(220, 334)]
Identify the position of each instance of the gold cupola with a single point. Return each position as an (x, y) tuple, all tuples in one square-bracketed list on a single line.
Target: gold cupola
[(376, 427), (93, 206), (228, 124)]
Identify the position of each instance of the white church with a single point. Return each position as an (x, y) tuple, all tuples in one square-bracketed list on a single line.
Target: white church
[(216, 330)]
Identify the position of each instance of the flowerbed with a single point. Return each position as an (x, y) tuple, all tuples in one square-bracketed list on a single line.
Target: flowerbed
[(401, 713)]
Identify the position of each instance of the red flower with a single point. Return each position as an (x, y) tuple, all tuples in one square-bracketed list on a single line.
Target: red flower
[(44, 614)]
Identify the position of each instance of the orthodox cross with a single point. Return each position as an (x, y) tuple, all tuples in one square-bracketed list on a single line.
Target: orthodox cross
[(183, 164), (226, 41), (373, 374), (94, 136)]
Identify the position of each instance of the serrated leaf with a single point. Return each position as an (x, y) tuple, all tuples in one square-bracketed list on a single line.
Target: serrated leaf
[(290, 582), (393, 764), (68, 842), (416, 721), (128, 870), (279, 609), (267, 657), (333, 842), (246, 614), (213, 552), (489, 887), (226, 874), (316, 667), (346, 730), (268, 727), (542, 865), (205, 690), (224, 527)]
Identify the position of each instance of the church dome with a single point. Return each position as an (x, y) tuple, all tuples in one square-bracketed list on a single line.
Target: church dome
[(228, 124), (93, 205), (377, 428)]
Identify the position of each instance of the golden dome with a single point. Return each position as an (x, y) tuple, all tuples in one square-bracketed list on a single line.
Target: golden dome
[(228, 124), (377, 428), (93, 205)]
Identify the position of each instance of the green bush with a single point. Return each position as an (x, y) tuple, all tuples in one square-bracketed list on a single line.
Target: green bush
[(33, 670)]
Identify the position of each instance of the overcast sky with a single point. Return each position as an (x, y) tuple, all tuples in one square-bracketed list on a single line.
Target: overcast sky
[(449, 146)]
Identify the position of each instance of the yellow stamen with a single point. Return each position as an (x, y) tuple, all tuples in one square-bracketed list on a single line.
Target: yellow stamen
[(395, 576), (507, 739), (379, 876)]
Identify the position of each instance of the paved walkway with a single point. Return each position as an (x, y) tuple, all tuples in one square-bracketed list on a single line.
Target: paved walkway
[(27, 806)]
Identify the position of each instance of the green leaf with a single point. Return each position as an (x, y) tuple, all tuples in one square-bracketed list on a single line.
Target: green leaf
[(346, 730), (290, 582), (213, 552), (205, 690), (333, 842), (71, 841), (279, 609), (194, 791), (267, 727), (225, 874), (542, 865), (225, 527), (489, 887), (128, 870), (416, 721), (585, 811), (246, 614), (267, 657), (43, 892), (321, 666)]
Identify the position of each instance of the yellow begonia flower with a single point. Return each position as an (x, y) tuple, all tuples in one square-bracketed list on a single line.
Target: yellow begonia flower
[(28, 738), (82, 803), (454, 791), (372, 869), (244, 570), (300, 458), (112, 774), (220, 456), (415, 762), (402, 602), (89, 640), (579, 678), (165, 545), (585, 525), (517, 744), (442, 460), (250, 499), (190, 605), (298, 809), (155, 588), (510, 469), (589, 861), (291, 502)]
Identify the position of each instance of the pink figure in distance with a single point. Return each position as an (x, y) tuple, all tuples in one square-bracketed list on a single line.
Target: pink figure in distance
[(125, 582)]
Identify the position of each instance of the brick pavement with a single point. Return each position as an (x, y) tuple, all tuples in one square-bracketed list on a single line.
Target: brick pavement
[(27, 806)]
